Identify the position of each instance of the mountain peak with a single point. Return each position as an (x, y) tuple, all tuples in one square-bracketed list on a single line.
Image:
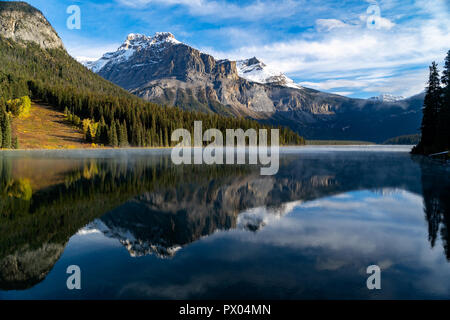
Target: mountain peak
[(255, 60), (134, 42), (164, 36), (21, 22), (137, 40), (17, 6), (134, 36), (387, 98), (255, 70)]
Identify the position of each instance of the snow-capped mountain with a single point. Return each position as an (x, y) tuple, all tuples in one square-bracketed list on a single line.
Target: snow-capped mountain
[(255, 70), (135, 246), (256, 219), (251, 69), (163, 70), (387, 98), (134, 43)]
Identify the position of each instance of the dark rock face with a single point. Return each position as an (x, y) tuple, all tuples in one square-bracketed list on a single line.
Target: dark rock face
[(21, 22), (26, 268), (162, 70)]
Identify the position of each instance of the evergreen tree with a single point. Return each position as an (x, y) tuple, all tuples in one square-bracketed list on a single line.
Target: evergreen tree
[(432, 106), (118, 132), (446, 72), (123, 136), (113, 141), (444, 127), (89, 137), (102, 135), (15, 143), (6, 128), (166, 137)]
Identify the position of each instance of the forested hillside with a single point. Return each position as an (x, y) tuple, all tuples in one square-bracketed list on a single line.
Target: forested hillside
[(111, 115)]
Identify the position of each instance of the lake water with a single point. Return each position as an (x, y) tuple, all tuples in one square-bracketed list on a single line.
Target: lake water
[(140, 227)]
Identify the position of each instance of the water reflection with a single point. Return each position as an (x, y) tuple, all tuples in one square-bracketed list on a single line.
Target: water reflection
[(436, 195), (320, 211)]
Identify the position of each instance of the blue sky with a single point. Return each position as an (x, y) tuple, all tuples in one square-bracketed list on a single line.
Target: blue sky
[(323, 44)]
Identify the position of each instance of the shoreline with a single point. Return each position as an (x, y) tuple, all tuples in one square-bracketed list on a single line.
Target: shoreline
[(339, 146)]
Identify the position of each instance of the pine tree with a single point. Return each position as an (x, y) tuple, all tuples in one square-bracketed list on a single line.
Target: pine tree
[(89, 137), (102, 136), (5, 125), (6, 137), (123, 136), (444, 127), (166, 137), (113, 141), (446, 72), (15, 143), (432, 106), (118, 132)]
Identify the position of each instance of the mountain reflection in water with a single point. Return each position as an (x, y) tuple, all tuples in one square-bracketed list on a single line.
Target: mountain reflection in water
[(326, 211)]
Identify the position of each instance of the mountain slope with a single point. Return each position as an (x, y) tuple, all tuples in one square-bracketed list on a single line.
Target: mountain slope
[(112, 115), (161, 69), (46, 128), (351, 119)]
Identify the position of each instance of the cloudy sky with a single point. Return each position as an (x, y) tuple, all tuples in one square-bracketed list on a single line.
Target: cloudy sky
[(358, 48)]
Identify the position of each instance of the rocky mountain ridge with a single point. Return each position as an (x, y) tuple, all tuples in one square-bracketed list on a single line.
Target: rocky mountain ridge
[(164, 70), (21, 22)]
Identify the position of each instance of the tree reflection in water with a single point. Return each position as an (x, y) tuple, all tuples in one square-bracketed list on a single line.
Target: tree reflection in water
[(166, 207)]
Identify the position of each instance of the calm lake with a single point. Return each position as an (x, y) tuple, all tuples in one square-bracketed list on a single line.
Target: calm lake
[(140, 227)]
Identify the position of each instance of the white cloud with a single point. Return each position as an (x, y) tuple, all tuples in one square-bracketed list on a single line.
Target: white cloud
[(339, 55), (406, 83), (329, 24), (327, 57), (343, 93), (90, 51), (225, 10)]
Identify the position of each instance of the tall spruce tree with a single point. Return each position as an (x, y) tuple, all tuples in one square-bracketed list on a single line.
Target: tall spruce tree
[(113, 141), (15, 143), (89, 137), (123, 136), (444, 126), (432, 106), (6, 128)]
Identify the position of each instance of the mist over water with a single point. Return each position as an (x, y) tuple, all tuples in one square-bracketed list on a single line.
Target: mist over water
[(140, 227)]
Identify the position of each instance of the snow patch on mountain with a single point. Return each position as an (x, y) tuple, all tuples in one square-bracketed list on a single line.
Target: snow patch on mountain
[(134, 43), (135, 246), (252, 69), (387, 98), (255, 70), (256, 219)]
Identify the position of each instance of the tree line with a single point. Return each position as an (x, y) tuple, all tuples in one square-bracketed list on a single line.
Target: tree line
[(107, 114), (436, 112)]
